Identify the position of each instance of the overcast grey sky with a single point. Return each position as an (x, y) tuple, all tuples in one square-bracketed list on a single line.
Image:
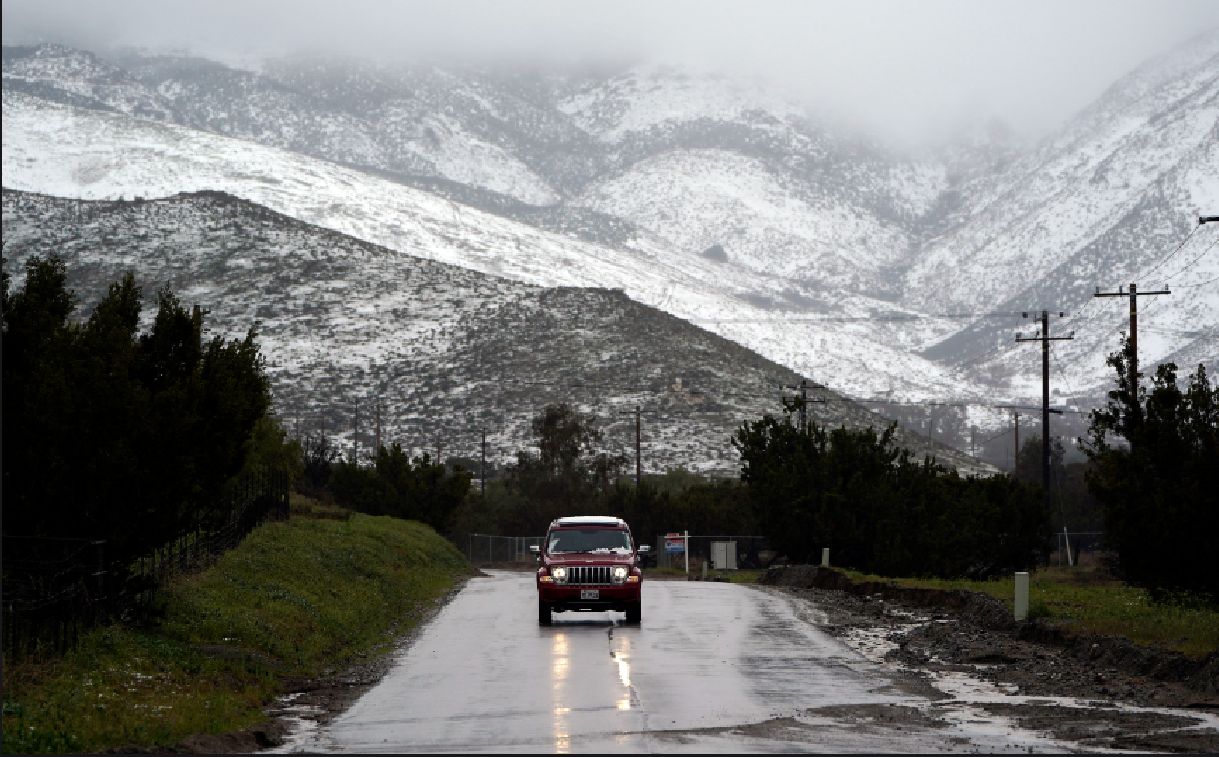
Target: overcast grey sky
[(926, 65)]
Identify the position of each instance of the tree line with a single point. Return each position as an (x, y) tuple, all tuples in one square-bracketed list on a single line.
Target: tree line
[(1150, 482), (133, 437), (115, 435)]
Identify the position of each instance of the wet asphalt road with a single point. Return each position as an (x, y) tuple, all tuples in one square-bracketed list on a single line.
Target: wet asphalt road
[(714, 667)]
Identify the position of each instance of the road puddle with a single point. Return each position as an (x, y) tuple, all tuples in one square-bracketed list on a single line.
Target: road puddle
[(301, 722), (985, 712)]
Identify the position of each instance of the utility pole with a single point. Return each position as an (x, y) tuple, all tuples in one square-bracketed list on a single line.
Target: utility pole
[(1133, 294), (638, 455), (482, 471), (638, 413), (377, 434), (804, 386), (355, 436), (1045, 339), (1016, 450)]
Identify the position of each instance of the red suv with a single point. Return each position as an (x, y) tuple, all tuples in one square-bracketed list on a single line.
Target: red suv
[(589, 563)]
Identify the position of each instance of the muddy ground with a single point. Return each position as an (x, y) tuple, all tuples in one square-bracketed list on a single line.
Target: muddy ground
[(1097, 692)]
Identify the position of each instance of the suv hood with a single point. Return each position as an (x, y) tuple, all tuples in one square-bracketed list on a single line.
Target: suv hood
[(589, 558)]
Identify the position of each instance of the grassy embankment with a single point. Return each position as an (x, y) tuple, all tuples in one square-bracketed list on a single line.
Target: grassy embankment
[(297, 599), (1089, 601)]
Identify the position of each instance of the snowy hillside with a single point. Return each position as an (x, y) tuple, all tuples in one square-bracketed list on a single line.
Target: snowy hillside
[(1103, 204), (888, 277), (697, 199), (75, 152), (348, 327)]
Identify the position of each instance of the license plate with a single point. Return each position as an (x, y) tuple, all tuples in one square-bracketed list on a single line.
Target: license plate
[(590, 593)]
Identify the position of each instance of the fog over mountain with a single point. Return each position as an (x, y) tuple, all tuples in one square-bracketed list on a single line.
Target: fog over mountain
[(913, 72), (892, 275)]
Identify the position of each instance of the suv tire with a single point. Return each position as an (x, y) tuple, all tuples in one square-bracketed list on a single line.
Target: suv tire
[(543, 613), (634, 613)]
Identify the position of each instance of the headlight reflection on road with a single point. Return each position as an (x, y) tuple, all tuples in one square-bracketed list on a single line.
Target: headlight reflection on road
[(623, 657), (560, 665)]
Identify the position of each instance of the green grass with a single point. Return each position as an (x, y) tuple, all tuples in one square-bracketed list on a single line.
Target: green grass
[(740, 576), (297, 599), (1086, 601)]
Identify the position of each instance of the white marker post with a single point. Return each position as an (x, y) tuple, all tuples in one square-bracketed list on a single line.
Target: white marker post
[(1022, 596), (825, 557)]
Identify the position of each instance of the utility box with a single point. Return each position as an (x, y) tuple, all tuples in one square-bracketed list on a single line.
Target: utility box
[(723, 555)]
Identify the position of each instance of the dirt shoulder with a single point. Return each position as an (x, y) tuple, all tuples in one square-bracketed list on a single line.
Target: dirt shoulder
[(942, 632)]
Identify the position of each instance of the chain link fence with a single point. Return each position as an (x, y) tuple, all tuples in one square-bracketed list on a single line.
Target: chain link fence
[(489, 549)]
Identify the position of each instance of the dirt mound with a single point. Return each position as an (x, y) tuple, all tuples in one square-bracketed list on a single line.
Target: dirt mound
[(1110, 654)]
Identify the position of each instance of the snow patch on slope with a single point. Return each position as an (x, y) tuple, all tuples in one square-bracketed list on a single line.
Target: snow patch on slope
[(649, 97), (699, 198)]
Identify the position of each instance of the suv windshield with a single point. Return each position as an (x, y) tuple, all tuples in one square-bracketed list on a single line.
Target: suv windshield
[(588, 540)]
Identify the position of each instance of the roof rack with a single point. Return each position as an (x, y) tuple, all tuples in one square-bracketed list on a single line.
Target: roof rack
[(589, 520)]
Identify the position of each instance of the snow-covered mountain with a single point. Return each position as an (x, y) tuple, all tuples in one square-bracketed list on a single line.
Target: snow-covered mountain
[(1108, 201), (878, 274), (442, 352)]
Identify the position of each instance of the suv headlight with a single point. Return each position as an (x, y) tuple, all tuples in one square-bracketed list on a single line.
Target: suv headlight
[(560, 575), (619, 574)]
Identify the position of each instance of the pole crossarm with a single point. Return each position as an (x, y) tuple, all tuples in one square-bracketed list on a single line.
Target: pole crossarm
[(803, 388), (1133, 293), (1121, 292)]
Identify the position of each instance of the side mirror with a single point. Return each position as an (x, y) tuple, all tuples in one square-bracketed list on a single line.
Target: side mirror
[(644, 548)]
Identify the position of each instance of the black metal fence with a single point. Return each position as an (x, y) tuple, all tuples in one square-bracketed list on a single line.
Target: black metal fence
[(56, 588)]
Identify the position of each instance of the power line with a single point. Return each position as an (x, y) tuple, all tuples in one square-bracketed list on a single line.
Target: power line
[(1199, 284), (1190, 264), (1175, 251), (1070, 388), (859, 318), (990, 439)]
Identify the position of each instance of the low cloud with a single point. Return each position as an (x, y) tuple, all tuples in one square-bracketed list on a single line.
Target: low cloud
[(912, 71)]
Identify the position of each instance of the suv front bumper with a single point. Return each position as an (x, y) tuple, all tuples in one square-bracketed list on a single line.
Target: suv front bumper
[(562, 597)]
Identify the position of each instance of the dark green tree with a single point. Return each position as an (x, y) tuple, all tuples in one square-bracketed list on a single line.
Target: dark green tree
[(113, 435), (39, 405), (878, 509), (561, 478), (396, 485), (1160, 488)]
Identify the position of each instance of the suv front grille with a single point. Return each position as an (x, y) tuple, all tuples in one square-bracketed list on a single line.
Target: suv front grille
[(588, 574)]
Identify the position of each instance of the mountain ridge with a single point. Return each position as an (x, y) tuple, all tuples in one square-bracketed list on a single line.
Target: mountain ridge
[(797, 275), (441, 349)]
